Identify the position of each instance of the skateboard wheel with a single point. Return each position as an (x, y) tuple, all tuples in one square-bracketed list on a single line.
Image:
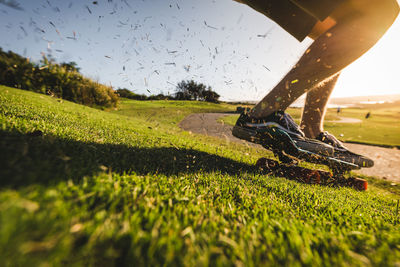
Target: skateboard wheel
[(360, 184), (266, 164)]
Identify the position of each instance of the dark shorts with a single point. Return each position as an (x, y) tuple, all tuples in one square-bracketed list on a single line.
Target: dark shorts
[(297, 17)]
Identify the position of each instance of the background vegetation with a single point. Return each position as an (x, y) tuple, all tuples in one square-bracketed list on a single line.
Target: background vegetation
[(60, 80), (64, 81), (81, 186), (126, 93), (185, 90)]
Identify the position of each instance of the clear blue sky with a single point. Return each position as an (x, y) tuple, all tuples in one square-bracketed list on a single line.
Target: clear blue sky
[(149, 46)]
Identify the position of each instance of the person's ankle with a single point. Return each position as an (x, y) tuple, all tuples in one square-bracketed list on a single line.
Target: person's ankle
[(253, 114), (311, 132)]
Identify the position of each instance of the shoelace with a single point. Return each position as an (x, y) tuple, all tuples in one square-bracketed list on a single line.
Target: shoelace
[(330, 139), (290, 123)]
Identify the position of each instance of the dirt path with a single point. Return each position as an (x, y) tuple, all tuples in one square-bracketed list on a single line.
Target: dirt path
[(387, 161)]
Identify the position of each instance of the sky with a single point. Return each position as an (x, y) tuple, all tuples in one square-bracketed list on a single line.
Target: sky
[(148, 46)]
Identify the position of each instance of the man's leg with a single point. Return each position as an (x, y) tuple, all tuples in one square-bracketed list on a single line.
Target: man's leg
[(315, 108), (358, 28)]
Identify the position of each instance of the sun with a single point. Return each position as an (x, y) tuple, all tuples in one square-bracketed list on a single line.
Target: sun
[(377, 71)]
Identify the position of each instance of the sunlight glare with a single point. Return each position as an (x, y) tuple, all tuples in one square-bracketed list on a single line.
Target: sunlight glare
[(376, 72)]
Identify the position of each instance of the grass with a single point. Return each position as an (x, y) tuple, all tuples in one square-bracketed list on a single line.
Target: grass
[(170, 112), (80, 186), (381, 128)]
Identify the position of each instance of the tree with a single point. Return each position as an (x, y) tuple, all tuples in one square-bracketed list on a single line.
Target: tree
[(190, 90), (71, 66), (210, 96), (183, 90)]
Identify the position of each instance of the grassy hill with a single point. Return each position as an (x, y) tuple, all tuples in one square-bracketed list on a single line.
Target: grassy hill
[(80, 186)]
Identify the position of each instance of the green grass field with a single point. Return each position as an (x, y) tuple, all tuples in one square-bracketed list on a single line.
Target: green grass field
[(81, 186), (381, 128)]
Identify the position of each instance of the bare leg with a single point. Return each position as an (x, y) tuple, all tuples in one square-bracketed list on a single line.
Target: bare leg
[(355, 32), (315, 108)]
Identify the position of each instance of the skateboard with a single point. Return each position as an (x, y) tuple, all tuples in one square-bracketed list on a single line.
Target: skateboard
[(291, 151)]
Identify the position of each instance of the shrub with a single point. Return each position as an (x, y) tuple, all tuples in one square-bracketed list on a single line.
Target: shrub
[(123, 92), (60, 80)]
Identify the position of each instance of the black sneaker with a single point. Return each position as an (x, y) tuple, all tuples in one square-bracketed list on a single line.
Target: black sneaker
[(330, 139), (343, 153), (251, 129), (325, 144)]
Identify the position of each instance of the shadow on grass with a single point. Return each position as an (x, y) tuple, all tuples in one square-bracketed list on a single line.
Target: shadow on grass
[(38, 159)]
